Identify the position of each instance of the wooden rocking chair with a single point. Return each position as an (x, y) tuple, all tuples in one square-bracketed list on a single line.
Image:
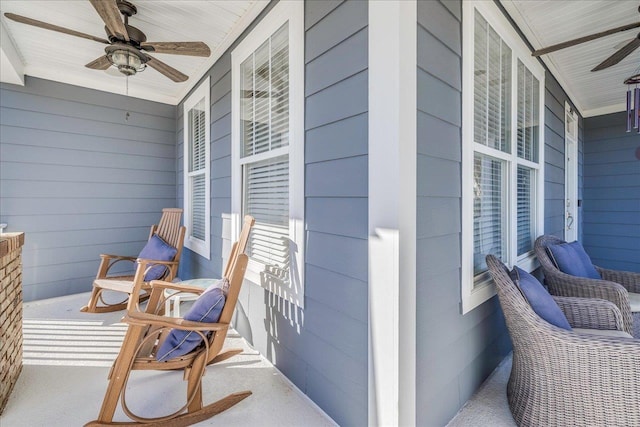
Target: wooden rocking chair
[(146, 333), (169, 230)]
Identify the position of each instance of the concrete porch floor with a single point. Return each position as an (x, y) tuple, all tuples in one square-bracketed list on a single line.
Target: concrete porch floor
[(67, 356), (488, 406)]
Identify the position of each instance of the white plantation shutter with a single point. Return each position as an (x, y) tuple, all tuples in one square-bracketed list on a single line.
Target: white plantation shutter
[(526, 211), (197, 163), (527, 142), (196, 170), (492, 88), (528, 107), (197, 124), (264, 152), (265, 96), (267, 200), (488, 210), (198, 199)]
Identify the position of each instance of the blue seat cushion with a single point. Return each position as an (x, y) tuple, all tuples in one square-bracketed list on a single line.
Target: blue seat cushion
[(539, 299), (159, 250), (572, 259), (207, 308)]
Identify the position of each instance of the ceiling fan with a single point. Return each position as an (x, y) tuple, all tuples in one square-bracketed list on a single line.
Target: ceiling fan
[(620, 54), (127, 46)]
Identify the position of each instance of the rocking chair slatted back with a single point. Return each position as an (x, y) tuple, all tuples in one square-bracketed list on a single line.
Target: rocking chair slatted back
[(169, 226)]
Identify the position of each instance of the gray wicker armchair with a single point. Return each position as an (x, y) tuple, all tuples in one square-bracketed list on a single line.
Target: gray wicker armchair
[(614, 287), (566, 378)]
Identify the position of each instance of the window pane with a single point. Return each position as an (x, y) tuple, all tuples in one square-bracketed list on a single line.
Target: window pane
[(488, 210), (528, 113), (198, 204), (526, 209), (265, 95), (197, 125), (280, 88), (492, 87), (266, 198)]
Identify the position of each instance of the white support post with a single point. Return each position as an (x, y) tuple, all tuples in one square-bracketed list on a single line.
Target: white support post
[(392, 212)]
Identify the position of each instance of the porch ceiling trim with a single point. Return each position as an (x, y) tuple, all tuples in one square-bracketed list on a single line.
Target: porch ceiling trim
[(11, 66)]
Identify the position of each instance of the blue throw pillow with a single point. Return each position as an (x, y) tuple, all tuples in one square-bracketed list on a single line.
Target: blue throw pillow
[(207, 308), (539, 299), (572, 259), (159, 250)]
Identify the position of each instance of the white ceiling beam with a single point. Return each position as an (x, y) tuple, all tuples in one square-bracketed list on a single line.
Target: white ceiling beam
[(11, 66)]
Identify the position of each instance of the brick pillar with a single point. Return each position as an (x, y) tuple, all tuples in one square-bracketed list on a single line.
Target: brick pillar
[(10, 313)]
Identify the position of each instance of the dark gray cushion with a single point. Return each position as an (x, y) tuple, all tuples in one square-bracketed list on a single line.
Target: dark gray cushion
[(539, 299)]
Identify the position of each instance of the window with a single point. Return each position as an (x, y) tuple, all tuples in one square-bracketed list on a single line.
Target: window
[(196, 170), (268, 147), (502, 190)]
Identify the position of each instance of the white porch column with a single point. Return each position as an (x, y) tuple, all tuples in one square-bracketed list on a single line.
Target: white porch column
[(392, 212)]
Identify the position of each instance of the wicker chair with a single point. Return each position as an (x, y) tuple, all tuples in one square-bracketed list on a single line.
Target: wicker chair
[(560, 377), (614, 286)]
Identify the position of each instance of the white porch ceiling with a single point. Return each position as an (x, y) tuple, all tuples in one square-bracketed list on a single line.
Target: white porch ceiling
[(61, 57), (549, 22)]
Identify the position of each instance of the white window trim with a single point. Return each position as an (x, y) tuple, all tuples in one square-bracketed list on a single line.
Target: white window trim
[(201, 247), (293, 12), (473, 294)]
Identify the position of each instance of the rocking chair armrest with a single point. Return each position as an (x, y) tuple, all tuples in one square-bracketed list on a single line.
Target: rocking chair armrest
[(153, 261), (145, 319), (118, 257), (179, 287)]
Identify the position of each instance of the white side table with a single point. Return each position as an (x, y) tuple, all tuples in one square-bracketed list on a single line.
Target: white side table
[(174, 298)]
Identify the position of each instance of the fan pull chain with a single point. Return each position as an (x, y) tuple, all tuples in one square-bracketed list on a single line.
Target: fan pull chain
[(127, 114)]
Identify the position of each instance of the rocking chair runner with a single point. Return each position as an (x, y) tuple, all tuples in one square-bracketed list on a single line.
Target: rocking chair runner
[(146, 332), (169, 230)]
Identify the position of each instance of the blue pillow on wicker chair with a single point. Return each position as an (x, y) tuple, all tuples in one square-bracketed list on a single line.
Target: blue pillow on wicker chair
[(571, 258), (539, 299), (159, 250), (207, 308)]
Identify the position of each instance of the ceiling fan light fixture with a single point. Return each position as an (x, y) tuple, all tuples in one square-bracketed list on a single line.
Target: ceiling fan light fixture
[(125, 59)]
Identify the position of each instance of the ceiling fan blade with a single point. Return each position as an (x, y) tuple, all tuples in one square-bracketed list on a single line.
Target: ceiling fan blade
[(101, 63), (165, 69), (625, 51), (574, 42), (110, 14), (178, 48), (47, 26)]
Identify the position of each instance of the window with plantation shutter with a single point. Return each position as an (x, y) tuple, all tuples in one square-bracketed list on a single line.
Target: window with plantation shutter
[(502, 166), (196, 170), (268, 147)]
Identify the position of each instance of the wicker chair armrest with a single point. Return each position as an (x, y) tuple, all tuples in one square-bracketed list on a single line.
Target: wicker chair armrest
[(629, 279), (562, 284), (591, 313), (148, 319)]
